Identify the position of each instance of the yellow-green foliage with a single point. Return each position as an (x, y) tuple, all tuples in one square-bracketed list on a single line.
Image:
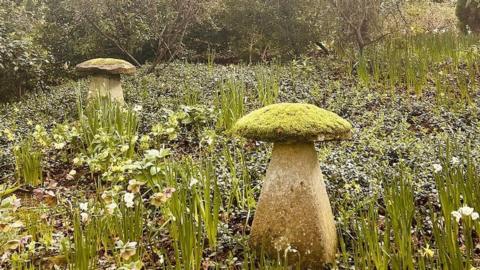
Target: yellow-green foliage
[(290, 122)]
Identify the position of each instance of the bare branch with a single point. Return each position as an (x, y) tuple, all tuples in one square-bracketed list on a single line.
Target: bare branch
[(114, 41)]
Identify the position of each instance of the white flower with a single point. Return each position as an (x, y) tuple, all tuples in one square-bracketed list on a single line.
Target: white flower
[(84, 206), (437, 168), (152, 154), (59, 146), (193, 182), (128, 198), (77, 161), (124, 148), (289, 249), (456, 215), (137, 108), (84, 217), (455, 161), (111, 208), (72, 172), (465, 211)]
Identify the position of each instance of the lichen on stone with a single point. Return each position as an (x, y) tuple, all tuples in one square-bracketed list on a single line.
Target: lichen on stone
[(106, 61), (292, 122), (106, 66)]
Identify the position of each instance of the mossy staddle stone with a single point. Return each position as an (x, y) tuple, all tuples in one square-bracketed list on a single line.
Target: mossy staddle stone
[(106, 66), (294, 209), (293, 122)]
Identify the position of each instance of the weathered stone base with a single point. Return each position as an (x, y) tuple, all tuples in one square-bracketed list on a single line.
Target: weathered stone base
[(106, 85), (294, 210)]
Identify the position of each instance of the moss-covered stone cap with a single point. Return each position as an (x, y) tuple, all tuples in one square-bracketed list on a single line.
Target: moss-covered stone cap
[(293, 122), (106, 66)]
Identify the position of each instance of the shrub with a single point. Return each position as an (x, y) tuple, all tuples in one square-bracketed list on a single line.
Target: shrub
[(256, 30), (468, 13), (23, 62)]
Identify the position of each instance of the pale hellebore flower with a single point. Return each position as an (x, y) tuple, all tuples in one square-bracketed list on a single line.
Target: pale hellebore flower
[(107, 196), (71, 174), (11, 202), (12, 244), (128, 198), (158, 199), (128, 250), (111, 208), (168, 192), (134, 186), (84, 216)]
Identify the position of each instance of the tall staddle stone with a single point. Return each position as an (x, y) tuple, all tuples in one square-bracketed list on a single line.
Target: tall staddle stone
[(293, 209), (293, 216)]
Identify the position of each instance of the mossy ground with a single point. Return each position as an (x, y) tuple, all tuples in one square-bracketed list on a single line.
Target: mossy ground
[(394, 132), (289, 122)]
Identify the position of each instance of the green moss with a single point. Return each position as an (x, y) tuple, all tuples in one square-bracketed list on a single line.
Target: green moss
[(106, 61), (291, 122)]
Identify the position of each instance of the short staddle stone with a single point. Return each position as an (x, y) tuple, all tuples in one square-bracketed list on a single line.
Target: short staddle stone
[(108, 66), (106, 86), (105, 73), (294, 211)]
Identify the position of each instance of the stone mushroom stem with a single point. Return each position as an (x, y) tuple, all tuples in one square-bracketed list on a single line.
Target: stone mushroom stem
[(106, 85), (293, 209)]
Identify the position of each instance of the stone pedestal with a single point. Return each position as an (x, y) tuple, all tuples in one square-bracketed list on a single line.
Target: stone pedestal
[(294, 210), (105, 86)]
